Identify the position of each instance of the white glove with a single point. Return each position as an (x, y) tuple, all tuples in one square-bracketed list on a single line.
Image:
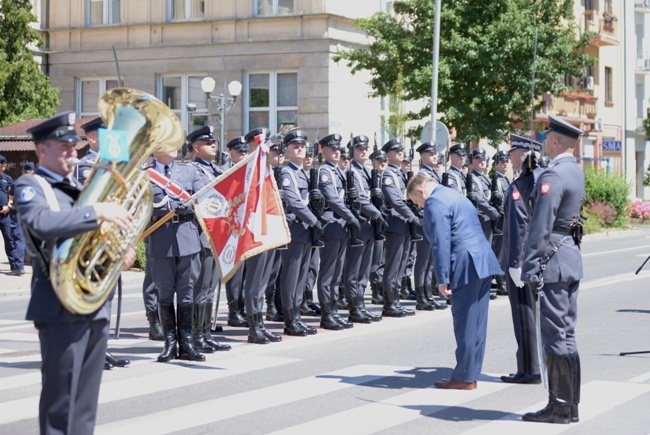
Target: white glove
[(515, 275)]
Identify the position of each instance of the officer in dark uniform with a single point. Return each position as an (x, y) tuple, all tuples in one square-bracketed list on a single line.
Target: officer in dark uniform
[(455, 177), (204, 147), (309, 307), (343, 164), (553, 267), (398, 238), (272, 293), (257, 274), (16, 228), (295, 185), (5, 220), (175, 250), (500, 184), (73, 346), (83, 168), (515, 232), (483, 190), (238, 149), (358, 258), (333, 186), (423, 269), (380, 161)]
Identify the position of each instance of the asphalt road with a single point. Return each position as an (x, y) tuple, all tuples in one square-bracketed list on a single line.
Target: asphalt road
[(370, 379)]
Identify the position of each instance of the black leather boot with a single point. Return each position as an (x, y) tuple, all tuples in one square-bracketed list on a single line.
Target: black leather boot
[(235, 317), (422, 304), (434, 301), (207, 331), (403, 289), (405, 310), (291, 326), (336, 316), (502, 290), (327, 320), (412, 295), (273, 338), (255, 334), (168, 324), (155, 330), (273, 311), (116, 362), (198, 339), (428, 293), (574, 360), (560, 391), (342, 302), (390, 309), (356, 314), (369, 314), (304, 307), (376, 297), (310, 329), (309, 296), (186, 349)]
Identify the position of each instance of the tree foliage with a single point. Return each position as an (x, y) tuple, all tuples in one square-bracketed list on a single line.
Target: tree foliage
[(25, 92), (486, 58)]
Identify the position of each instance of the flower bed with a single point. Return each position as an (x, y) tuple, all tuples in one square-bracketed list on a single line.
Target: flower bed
[(640, 210)]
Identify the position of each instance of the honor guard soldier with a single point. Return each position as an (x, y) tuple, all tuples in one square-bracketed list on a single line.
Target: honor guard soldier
[(73, 346), (175, 252), (358, 259), (423, 269), (5, 220), (257, 273), (309, 307), (455, 176), (238, 149), (333, 186), (398, 238), (406, 288), (204, 148), (516, 220), (380, 161), (295, 185), (500, 184), (553, 267), (86, 162)]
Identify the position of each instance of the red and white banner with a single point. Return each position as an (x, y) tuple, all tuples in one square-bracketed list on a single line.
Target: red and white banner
[(241, 212)]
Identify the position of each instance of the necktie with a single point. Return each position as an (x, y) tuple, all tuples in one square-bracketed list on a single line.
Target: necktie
[(168, 171)]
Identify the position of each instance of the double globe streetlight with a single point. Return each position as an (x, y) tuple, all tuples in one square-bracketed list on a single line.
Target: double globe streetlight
[(220, 104)]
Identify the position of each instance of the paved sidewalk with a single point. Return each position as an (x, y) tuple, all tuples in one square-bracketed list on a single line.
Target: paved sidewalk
[(21, 285)]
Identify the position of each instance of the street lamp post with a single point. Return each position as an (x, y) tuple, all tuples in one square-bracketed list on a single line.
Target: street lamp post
[(222, 103)]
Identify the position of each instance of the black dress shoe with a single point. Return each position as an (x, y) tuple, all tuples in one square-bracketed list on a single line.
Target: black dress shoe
[(107, 365), (522, 378), (438, 305), (116, 362), (554, 412), (493, 296), (392, 311)]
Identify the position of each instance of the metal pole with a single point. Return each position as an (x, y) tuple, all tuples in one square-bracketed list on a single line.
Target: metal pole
[(222, 115), (434, 72)]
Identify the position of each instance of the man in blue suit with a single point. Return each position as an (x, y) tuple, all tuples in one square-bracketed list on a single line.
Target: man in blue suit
[(464, 265)]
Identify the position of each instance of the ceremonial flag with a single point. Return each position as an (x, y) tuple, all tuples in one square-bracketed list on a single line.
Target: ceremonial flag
[(241, 212)]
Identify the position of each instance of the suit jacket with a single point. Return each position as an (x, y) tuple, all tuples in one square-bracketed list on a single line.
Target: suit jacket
[(47, 228), (559, 193), (461, 253), (175, 239)]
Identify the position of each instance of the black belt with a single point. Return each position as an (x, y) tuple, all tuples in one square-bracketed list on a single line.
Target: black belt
[(175, 219)]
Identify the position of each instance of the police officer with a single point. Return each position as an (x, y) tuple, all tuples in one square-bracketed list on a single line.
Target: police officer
[(257, 272), (406, 288), (5, 220), (309, 307), (333, 186), (238, 149), (16, 228), (500, 184), (515, 232), (380, 161), (398, 238), (553, 267), (175, 250), (73, 346), (84, 166), (423, 269), (295, 185), (358, 258), (455, 176), (204, 148)]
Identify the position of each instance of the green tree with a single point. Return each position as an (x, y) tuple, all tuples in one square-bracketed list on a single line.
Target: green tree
[(25, 92), (486, 58)]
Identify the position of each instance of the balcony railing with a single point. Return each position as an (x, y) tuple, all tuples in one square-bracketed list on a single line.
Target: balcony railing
[(575, 105), (605, 28)]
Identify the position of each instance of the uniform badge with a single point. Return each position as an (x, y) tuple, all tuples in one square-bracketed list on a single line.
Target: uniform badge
[(516, 196), (388, 182), (286, 182), (27, 194), (324, 179), (545, 188)]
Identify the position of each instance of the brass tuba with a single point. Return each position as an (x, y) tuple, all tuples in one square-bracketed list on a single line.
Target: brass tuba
[(84, 269)]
